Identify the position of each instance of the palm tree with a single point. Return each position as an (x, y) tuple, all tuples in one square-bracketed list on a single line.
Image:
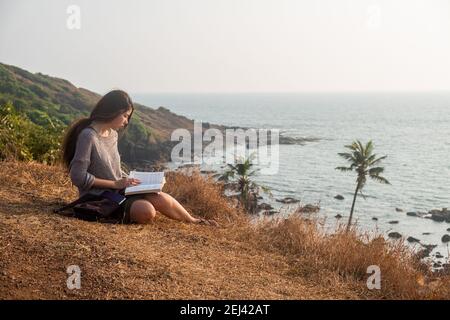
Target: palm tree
[(364, 162), (246, 187)]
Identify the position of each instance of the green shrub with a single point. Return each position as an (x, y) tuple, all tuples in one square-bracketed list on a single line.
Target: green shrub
[(21, 139)]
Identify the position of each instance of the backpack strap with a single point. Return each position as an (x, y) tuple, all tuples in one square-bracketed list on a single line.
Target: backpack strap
[(82, 199)]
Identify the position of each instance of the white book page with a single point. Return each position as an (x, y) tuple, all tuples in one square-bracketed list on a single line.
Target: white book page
[(150, 181), (146, 187), (148, 177)]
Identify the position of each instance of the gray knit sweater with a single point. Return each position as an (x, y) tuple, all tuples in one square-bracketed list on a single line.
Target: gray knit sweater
[(95, 156)]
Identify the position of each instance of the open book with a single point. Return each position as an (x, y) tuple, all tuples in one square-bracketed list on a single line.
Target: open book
[(151, 182)]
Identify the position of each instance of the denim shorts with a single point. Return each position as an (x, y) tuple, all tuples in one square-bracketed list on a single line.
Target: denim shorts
[(126, 206)]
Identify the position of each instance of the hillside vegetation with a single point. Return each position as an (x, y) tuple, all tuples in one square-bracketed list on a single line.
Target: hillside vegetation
[(38, 104)]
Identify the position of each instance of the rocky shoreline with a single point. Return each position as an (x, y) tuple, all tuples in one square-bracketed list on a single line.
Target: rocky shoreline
[(437, 215)]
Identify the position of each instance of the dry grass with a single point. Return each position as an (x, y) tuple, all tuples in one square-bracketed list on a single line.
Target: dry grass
[(274, 259), (201, 196), (343, 257)]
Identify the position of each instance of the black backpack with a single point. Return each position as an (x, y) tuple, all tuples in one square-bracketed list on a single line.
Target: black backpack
[(105, 207)]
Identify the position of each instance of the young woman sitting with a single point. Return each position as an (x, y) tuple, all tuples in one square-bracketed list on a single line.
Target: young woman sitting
[(91, 155)]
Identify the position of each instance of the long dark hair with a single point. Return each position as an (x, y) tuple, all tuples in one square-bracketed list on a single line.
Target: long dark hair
[(107, 108)]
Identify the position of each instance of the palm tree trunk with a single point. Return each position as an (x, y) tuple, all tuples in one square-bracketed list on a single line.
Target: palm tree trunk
[(353, 207)]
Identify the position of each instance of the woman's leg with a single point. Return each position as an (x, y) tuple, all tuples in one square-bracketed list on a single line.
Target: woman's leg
[(142, 211), (170, 207)]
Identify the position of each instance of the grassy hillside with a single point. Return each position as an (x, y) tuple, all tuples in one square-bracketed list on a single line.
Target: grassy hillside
[(278, 259), (284, 258), (52, 103)]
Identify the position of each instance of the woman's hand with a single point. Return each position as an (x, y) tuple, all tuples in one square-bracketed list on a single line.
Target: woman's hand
[(126, 182)]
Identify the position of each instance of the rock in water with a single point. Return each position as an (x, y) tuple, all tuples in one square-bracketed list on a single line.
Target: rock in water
[(429, 246), (265, 206), (412, 239), (339, 197), (287, 200), (269, 212), (417, 214), (440, 215), (445, 238), (437, 217), (375, 219), (398, 210), (393, 222), (394, 235), (338, 216)]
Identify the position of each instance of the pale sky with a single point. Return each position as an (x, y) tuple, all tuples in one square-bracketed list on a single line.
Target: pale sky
[(233, 45)]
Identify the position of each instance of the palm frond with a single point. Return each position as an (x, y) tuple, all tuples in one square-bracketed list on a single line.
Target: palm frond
[(347, 156), (371, 158), (350, 146), (377, 160), (227, 175), (368, 149), (380, 179), (375, 171), (360, 146)]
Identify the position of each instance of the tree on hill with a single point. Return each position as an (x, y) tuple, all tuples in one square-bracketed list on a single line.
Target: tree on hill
[(363, 161)]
